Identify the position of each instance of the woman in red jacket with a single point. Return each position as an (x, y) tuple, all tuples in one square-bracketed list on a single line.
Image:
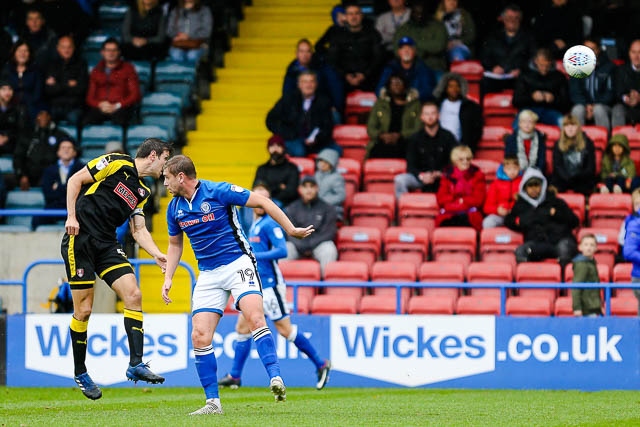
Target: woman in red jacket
[(462, 191)]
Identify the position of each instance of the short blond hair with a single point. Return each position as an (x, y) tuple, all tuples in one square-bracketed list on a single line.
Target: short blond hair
[(459, 150), (527, 114)]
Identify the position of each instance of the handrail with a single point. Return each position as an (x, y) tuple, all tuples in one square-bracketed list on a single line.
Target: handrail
[(33, 212), (136, 262)]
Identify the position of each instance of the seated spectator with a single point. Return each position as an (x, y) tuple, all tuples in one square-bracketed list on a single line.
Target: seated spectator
[(354, 51), (458, 114), (189, 27), (545, 220), (412, 68), (429, 35), (506, 53), (502, 192), (574, 159), (593, 96), (635, 212), (26, 79), (75, 18), (631, 245), (387, 23), (114, 89), (462, 191), (278, 173), (331, 188), (65, 83), (40, 38), (10, 124), (303, 118), (617, 170), (428, 152), (310, 209), (461, 30), (54, 181), (586, 301), (558, 26), (627, 84), (144, 32), (527, 143), (395, 116), (543, 89), (36, 150)]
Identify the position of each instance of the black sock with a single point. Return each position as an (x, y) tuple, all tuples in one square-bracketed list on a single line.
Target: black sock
[(78, 332), (135, 334)]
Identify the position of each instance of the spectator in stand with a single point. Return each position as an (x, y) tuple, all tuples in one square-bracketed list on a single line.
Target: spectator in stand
[(631, 240), (189, 27), (40, 38), (387, 23), (278, 173), (114, 89), (354, 51), (617, 170), (558, 26), (586, 301), (303, 118), (461, 30), (462, 191), (593, 96), (65, 83), (144, 31), (36, 150), (6, 42), (10, 124), (543, 89), (502, 193), (627, 84), (310, 208), (574, 159), (331, 188), (76, 18), (26, 80), (527, 143), (395, 116), (458, 114), (545, 220), (428, 152), (506, 53), (54, 181), (430, 36), (417, 74)]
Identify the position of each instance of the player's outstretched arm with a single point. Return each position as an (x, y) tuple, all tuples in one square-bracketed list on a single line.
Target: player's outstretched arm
[(143, 238), (74, 185), (258, 201), (174, 253)]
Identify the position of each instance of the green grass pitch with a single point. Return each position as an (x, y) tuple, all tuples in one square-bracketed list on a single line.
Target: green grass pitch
[(248, 406)]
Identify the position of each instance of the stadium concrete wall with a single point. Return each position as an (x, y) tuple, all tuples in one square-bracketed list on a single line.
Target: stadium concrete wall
[(366, 351)]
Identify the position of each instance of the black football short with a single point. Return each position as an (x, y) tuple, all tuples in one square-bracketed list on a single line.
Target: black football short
[(84, 257)]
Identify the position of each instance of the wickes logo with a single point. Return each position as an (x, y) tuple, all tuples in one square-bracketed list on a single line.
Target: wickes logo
[(413, 350)]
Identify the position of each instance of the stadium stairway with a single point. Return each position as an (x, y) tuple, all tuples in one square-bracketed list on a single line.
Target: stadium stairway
[(230, 137)]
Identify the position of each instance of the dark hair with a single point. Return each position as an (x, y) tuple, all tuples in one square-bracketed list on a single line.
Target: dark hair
[(110, 40), (181, 163), (589, 236), (14, 48), (513, 7), (396, 76), (261, 184), (510, 158), (153, 144)]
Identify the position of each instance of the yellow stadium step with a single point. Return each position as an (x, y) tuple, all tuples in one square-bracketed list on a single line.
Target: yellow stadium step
[(266, 95), (259, 60), (214, 121), (306, 3), (287, 44), (281, 29), (299, 13)]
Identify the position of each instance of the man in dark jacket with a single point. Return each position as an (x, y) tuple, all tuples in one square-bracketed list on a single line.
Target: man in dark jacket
[(627, 84), (428, 152), (280, 174), (303, 118), (545, 220)]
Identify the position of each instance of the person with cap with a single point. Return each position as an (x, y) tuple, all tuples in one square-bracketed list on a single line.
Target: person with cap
[(54, 181), (331, 187), (544, 219), (279, 173), (311, 209), (417, 74), (387, 23)]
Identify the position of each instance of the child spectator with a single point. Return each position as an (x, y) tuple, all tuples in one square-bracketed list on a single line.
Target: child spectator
[(574, 159), (331, 187), (462, 191), (502, 192), (586, 301), (617, 170), (527, 143)]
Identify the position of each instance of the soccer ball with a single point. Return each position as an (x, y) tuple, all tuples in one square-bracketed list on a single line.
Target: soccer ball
[(579, 61)]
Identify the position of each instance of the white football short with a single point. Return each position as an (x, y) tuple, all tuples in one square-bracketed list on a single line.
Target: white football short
[(213, 287), (274, 301)]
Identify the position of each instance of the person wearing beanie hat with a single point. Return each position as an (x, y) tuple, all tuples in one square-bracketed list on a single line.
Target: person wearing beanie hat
[(617, 169), (279, 173)]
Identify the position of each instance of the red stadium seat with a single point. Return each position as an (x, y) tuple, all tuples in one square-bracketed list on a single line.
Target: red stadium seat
[(359, 244), (329, 304), (539, 272), (410, 244), (498, 244), (301, 270), (624, 306), (604, 274), (346, 271), (418, 210), (552, 132), (493, 136), (379, 174), (373, 210), (498, 109), (390, 272), (305, 165), (459, 241), (622, 274), (608, 210), (576, 202), (598, 134), (304, 301), (351, 171), (488, 167), (522, 306), (358, 104), (631, 132), (431, 304), (607, 239), (377, 304), (563, 307), (489, 272), (353, 139), (435, 271), (482, 304)]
